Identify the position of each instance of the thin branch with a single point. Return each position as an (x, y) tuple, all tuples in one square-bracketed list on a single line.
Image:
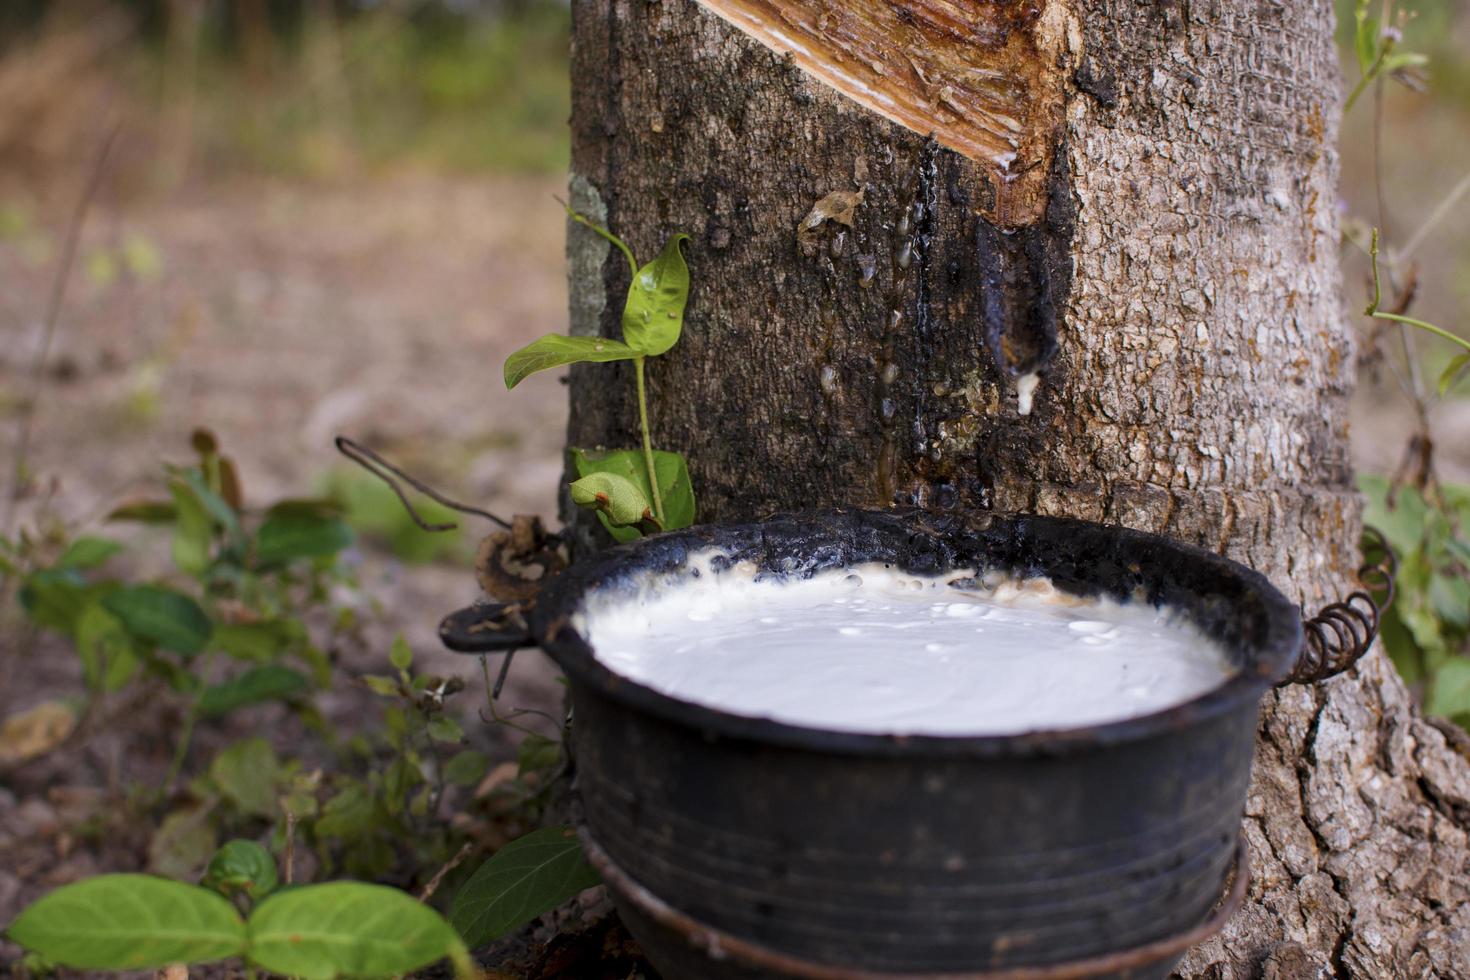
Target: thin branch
[(290, 845), (1443, 208), (438, 878), (28, 408), (386, 471)]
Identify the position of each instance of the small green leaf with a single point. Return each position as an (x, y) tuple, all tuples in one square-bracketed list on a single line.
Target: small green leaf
[(554, 350), (182, 843), (443, 728), (270, 682), (170, 619), (88, 552), (384, 686), (130, 922), (346, 928), (144, 511), (252, 641), (618, 497), (653, 317), (193, 530), (1451, 371), (351, 814), (526, 878), (674, 485), (537, 752), (466, 768), (1449, 692), (247, 774), (287, 537), (400, 654), (102, 642), (54, 597), (241, 867)]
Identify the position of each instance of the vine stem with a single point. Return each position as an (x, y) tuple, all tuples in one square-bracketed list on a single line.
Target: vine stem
[(1373, 310), (658, 504)]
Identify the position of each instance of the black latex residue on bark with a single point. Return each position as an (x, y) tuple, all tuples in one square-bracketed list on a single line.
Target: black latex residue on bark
[(1025, 276)]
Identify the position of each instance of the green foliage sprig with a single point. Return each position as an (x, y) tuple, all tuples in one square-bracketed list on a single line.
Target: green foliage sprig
[(1376, 47), (1457, 364), (631, 496)]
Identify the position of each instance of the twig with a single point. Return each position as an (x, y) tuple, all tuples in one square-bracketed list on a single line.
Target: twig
[(290, 845), (435, 881), (1442, 209), (28, 408), (376, 465)]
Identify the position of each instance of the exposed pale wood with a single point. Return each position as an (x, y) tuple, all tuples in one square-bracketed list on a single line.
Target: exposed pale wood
[(983, 77)]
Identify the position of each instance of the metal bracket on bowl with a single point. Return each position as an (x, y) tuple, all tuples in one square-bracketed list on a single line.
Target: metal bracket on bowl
[(1338, 636), (488, 627)]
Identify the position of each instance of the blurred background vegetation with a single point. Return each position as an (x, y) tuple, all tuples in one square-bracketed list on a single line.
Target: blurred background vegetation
[(310, 88)]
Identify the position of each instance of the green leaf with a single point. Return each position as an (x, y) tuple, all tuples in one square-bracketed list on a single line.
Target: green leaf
[(287, 537), (257, 685), (105, 648), (1365, 36), (54, 597), (144, 512), (219, 509), (443, 728), (162, 616), (350, 814), (130, 922), (384, 686), (88, 552), (537, 752), (193, 530), (674, 486), (619, 498), (252, 641), (400, 654), (182, 843), (241, 867), (1451, 371), (526, 878), (554, 350), (346, 928), (247, 774), (653, 317), (466, 768), (1449, 691)]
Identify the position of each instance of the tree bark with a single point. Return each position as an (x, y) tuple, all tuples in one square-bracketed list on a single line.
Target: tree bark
[(1130, 205)]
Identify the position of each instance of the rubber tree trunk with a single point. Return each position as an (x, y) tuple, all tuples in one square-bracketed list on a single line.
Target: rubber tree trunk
[(1064, 257)]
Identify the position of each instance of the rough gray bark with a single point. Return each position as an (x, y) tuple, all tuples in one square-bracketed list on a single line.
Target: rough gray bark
[(1178, 233)]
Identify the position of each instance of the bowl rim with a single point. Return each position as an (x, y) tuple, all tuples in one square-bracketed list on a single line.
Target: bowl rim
[(1270, 658)]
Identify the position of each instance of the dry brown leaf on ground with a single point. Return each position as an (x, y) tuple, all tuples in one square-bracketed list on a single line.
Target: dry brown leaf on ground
[(36, 731)]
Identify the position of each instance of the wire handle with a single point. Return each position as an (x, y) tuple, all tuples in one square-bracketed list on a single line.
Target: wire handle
[(1338, 636)]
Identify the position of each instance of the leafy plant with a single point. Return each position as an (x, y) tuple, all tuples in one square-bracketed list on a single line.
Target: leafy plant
[(631, 496), (1427, 629), (133, 922), (1376, 46)]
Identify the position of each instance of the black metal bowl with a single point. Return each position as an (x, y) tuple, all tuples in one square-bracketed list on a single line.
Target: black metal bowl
[(867, 854)]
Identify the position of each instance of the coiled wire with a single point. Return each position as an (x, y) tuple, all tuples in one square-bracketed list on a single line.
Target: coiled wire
[(1339, 635)]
